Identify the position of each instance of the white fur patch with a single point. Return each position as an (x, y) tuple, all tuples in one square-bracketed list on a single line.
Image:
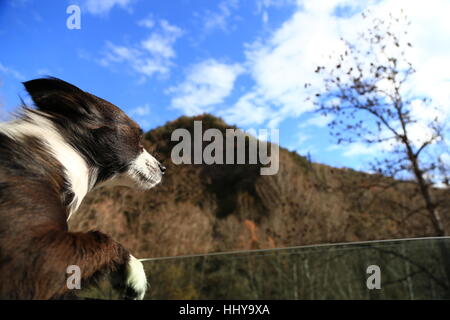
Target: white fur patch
[(145, 171), (76, 168), (136, 278)]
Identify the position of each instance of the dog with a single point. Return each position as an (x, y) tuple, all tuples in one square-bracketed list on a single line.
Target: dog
[(51, 156)]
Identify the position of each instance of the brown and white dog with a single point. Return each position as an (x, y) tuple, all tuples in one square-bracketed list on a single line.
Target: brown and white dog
[(51, 156)]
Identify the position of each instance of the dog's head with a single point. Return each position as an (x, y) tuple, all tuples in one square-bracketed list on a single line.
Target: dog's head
[(109, 141)]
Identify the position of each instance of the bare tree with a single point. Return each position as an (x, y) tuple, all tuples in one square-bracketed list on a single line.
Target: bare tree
[(368, 95)]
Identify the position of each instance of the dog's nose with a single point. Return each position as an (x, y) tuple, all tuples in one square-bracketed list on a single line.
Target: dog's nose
[(162, 168)]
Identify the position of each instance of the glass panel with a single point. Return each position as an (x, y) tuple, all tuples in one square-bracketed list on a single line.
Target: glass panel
[(408, 269)]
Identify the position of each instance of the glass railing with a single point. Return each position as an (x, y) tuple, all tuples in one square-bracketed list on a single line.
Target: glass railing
[(397, 269)]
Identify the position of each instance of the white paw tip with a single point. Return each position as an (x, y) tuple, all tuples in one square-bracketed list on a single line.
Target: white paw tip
[(136, 279)]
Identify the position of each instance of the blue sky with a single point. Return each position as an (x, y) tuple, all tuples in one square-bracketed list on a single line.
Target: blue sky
[(246, 61)]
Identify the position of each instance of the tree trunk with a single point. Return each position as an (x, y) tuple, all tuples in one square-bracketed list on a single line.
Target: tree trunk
[(424, 190)]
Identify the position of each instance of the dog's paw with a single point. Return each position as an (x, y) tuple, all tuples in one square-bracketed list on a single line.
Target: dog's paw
[(136, 281)]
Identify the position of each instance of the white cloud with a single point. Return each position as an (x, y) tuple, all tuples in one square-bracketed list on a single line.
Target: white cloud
[(119, 54), (140, 111), (102, 7), (220, 18), (207, 84), (140, 115), (357, 149), (246, 111), (282, 63), (317, 121), (18, 3), (300, 144), (148, 22), (11, 72), (153, 55), (160, 44), (263, 6)]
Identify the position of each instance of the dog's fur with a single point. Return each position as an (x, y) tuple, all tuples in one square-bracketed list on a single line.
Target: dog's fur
[(50, 157)]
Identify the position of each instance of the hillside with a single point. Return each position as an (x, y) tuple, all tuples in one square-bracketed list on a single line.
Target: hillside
[(207, 208)]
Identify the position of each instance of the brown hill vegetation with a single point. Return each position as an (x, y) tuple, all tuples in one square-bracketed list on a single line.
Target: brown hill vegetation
[(208, 208)]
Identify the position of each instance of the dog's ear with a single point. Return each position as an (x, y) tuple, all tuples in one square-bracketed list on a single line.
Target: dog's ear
[(57, 96)]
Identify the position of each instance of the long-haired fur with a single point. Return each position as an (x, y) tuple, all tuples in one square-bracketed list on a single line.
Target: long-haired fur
[(50, 157)]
